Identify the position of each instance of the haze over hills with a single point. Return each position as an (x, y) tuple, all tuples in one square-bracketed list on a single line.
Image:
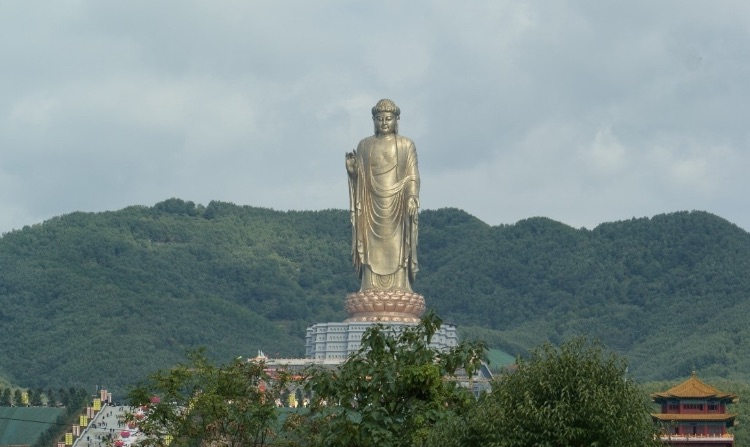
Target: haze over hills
[(105, 298)]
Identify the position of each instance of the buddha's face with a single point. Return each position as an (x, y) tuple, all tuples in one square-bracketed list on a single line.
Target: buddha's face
[(385, 123)]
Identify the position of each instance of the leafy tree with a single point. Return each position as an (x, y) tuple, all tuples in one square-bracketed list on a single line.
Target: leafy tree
[(17, 398), (203, 404), (576, 395), (51, 399), (64, 397), (5, 398), (35, 397), (392, 392)]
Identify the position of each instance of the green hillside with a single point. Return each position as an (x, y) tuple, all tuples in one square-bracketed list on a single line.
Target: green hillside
[(23, 425), (105, 298), (499, 359)]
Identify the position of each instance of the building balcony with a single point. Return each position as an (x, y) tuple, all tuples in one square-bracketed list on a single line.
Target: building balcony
[(705, 439)]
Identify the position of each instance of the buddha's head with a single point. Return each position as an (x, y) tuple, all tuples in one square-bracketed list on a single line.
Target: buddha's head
[(385, 116)]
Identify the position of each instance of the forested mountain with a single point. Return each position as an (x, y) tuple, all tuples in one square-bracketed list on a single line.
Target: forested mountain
[(105, 298)]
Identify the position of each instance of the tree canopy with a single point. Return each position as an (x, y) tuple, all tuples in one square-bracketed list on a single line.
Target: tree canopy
[(198, 404), (574, 395), (391, 393)]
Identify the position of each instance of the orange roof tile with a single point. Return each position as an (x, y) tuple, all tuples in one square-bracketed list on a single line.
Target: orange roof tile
[(693, 417), (693, 388)]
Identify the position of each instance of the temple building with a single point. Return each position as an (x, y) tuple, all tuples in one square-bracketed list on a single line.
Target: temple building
[(694, 414)]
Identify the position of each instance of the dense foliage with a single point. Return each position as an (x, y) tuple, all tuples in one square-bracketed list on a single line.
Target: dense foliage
[(575, 395), (397, 391), (102, 298), (199, 404), (393, 392)]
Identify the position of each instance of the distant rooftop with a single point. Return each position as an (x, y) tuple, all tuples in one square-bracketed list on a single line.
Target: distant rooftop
[(693, 388)]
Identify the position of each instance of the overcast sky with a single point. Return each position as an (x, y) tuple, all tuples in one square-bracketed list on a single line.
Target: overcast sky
[(584, 112)]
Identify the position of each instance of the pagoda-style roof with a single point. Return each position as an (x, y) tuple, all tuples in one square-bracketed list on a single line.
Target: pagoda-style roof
[(694, 417), (693, 388)]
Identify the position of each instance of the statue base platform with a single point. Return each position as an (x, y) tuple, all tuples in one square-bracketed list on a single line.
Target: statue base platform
[(335, 342), (394, 309), (385, 306)]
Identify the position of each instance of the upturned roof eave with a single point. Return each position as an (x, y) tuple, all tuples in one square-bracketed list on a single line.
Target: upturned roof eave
[(694, 388)]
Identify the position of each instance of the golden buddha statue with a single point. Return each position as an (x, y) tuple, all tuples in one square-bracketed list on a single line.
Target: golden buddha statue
[(384, 205)]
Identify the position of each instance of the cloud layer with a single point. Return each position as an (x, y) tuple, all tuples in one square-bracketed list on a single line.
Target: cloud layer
[(585, 113)]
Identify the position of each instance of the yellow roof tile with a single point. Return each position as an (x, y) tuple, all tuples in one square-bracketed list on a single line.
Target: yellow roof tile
[(695, 389)]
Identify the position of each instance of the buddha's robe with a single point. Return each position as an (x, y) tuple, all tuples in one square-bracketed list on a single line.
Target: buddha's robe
[(384, 235)]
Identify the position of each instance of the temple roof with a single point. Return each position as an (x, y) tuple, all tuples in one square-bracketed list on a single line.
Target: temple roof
[(693, 388), (693, 417)]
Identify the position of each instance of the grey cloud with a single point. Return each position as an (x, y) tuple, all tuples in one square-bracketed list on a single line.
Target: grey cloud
[(585, 112)]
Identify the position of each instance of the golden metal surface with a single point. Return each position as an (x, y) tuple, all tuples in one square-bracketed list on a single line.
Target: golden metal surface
[(384, 204), (385, 306)]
